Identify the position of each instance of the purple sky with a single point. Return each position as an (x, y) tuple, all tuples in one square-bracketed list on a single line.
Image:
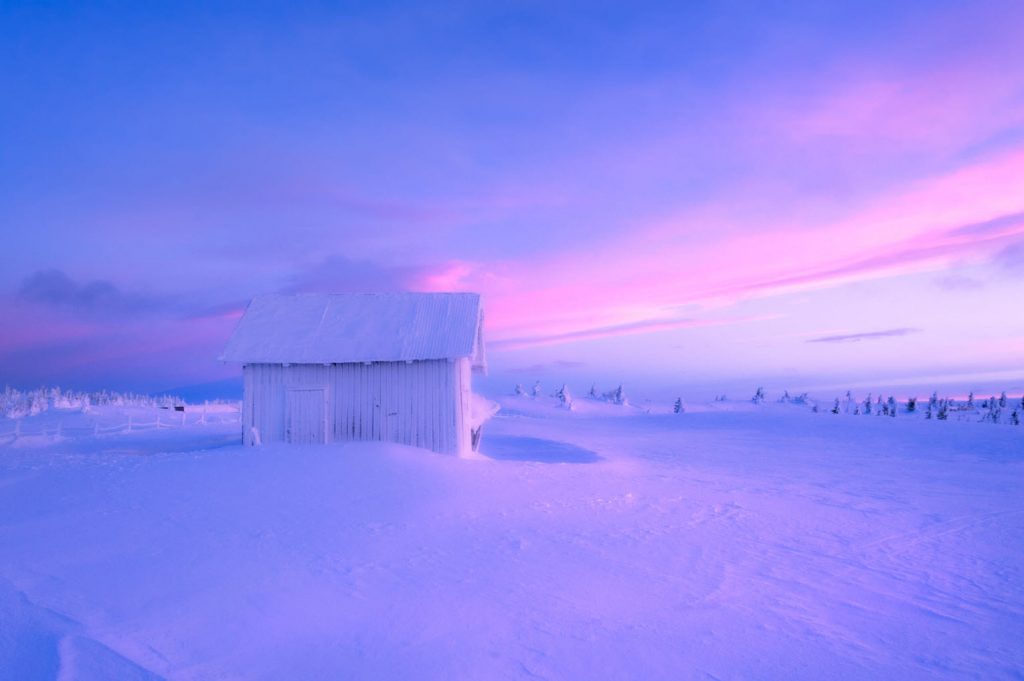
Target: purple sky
[(694, 199)]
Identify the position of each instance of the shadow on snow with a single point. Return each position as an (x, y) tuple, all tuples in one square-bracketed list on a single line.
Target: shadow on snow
[(511, 448)]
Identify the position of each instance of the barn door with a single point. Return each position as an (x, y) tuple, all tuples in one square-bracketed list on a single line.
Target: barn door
[(306, 415)]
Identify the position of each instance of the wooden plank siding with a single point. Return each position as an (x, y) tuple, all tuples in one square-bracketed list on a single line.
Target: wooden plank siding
[(424, 403)]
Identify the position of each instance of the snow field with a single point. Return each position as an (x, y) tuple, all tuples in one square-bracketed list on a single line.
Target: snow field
[(727, 542)]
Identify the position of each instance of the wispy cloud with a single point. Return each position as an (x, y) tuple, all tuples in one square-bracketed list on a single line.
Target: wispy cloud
[(708, 259), (590, 333), (866, 335)]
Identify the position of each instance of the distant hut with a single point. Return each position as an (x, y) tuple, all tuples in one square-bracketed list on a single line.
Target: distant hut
[(395, 367)]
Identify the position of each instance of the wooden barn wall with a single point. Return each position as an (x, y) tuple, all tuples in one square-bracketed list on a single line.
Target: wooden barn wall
[(421, 403)]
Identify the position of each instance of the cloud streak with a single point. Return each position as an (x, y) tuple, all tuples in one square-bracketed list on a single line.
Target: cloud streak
[(866, 335), (626, 329)]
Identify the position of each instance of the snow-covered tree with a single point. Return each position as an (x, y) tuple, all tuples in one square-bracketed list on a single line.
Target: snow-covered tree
[(970, 399), (891, 406), (911, 405), (536, 390), (1015, 418), (678, 408), (867, 405), (1002, 399), (785, 396), (617, 396), (835, 407), (593, 391), (20, 403), (758, 397), (519, 391), (564, 396), (943, 413)]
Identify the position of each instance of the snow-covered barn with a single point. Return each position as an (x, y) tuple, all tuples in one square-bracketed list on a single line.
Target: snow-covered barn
[(365, 366)]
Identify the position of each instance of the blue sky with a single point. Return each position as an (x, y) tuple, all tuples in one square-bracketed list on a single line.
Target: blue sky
[(677, 197)]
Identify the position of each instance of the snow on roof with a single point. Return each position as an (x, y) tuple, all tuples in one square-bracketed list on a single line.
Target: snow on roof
[(357, 327)]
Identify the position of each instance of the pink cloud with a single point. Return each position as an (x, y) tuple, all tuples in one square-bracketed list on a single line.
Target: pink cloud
[(630, 328), (651, 274)]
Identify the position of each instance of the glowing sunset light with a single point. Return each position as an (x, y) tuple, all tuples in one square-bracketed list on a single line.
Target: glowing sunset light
[(635, 191)]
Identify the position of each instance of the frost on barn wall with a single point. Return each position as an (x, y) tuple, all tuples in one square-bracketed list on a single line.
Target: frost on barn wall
[(395, 367)]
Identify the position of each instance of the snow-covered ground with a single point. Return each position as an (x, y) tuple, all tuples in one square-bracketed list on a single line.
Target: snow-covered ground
[(728, 542)]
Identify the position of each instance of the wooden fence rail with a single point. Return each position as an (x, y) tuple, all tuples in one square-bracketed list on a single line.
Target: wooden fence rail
[(15, 428)]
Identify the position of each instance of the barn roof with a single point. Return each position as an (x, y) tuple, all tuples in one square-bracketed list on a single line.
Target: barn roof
[(357, 327)]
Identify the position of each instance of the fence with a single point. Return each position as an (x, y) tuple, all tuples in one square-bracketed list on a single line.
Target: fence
[(16, 429)]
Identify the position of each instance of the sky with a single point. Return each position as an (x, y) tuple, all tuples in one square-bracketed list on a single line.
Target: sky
[(691, 198)]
